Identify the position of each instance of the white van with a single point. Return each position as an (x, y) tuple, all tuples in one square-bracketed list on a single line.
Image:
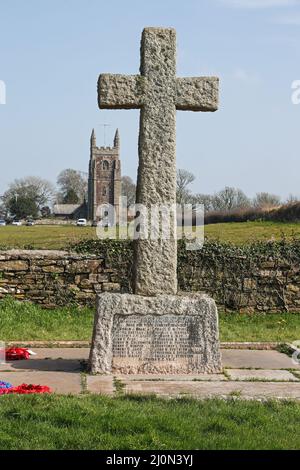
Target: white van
[(81, 223)]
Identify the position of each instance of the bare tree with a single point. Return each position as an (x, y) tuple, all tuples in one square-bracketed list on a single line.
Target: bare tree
[(71, 182), (128, 190), (32, 187), (184, 179), (230, 198), (241, 200), (266, 201), (204, 199), (292, 199)]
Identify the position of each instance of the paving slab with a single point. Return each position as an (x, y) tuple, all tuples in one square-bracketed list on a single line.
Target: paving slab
[(202, 390), (262, 374), (59, 382), (251, 373), (170, 377), (87, 344), (7, 367), (51, 359), (233, 358), (61, 353), (101, 384), (63, 365), (241, 359)]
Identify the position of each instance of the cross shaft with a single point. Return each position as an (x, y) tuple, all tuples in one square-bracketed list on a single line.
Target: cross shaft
[(158, 93)]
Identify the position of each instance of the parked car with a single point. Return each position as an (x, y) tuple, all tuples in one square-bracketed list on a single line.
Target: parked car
[(30, 223), (81, 223), (17, 223), (2, 223)]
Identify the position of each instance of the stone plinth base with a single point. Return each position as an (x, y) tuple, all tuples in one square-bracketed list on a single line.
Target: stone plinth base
[(166, 334)]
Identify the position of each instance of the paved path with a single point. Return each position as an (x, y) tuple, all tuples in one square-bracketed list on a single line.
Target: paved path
[(250, 374)]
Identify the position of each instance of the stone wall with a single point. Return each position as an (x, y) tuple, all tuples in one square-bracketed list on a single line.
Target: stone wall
[(237, 285), (54, 278)]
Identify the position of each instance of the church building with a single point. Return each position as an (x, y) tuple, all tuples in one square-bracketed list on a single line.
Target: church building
[(104, 185)]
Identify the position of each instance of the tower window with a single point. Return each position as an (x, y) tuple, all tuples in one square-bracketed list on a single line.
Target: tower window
[(105, 165), (104, 192)]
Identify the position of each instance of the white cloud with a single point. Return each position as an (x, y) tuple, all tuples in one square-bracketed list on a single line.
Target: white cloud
[(244, 76), (2, 92), (259, 3)]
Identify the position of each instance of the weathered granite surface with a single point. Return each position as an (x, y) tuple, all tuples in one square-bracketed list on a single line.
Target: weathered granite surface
[(156, 331), (164, 334), (158, 93)]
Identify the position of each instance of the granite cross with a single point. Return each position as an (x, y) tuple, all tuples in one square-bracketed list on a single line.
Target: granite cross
[(158, 93)]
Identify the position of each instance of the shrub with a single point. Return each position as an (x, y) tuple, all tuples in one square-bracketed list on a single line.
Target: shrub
[(286, 213)]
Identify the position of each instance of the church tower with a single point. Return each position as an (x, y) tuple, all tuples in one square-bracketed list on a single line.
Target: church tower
[(104, 185)]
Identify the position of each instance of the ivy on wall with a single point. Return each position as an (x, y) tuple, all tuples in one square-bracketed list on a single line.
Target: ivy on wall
[(261, 276)]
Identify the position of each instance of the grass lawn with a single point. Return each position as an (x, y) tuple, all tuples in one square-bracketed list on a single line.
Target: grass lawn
[(240, 233), (283, 327), (22, 321), (95, 422), (26, 321), (59, 237), (43, 236)]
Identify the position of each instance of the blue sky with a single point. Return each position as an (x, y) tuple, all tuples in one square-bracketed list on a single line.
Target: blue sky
[(52, 51)]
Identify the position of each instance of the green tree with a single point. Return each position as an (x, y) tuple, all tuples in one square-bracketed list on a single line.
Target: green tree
[(71, 182), (23, 207), (71, 197), (33, 191), (45, 211)]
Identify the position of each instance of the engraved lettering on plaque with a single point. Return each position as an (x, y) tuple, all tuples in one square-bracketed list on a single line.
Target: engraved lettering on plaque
[(156, 338)]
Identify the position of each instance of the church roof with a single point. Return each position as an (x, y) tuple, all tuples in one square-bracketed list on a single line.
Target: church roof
[(65, 209)]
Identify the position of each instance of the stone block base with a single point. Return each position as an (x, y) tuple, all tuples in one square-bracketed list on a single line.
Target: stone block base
[(166, 334)]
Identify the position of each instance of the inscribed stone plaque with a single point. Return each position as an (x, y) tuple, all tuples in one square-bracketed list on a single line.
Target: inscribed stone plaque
[(164, 334), (168, 341)]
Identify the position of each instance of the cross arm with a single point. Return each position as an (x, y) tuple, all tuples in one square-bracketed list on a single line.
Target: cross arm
[(197, 94), (120, 91)]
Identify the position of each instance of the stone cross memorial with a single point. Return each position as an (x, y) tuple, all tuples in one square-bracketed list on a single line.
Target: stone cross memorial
[(156, 330)]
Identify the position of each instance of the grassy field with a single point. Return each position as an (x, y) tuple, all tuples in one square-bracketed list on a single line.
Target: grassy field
[(25, 321), (59, 237), (246, 232), (94, 422), (260, 327)]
